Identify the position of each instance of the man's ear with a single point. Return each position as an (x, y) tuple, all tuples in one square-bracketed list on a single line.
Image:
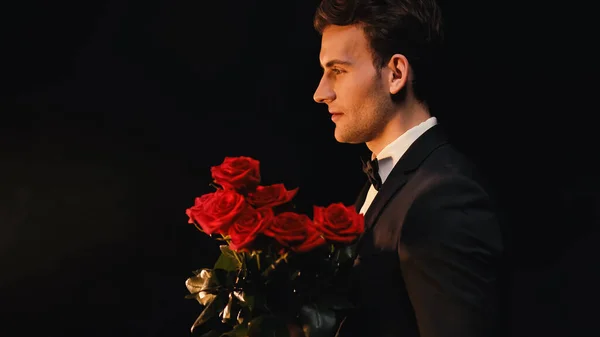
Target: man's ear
[(399, 72)]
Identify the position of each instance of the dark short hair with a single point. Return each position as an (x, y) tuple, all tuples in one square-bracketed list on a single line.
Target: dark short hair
[(409, 27)]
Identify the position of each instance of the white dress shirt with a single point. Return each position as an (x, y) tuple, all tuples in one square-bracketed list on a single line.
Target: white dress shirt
[(391, 154)]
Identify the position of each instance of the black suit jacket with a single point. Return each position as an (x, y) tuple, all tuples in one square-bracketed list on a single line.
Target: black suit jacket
[(429, 258)]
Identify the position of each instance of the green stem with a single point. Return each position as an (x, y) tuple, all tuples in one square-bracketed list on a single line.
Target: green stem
[(240, 259)]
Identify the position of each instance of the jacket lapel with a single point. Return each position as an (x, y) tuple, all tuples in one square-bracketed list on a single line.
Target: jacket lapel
[(408, 163), (362, 196)]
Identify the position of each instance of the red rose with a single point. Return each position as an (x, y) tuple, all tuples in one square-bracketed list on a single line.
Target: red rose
[(215, 212), (294, 231), (247, 226), (271, 196), (237, 173), (339, 223)]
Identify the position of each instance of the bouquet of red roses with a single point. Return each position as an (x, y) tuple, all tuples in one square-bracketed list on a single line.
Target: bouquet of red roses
[(278, 268)]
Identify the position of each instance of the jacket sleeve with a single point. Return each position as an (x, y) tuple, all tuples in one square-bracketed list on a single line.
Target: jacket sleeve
[(450, 252)]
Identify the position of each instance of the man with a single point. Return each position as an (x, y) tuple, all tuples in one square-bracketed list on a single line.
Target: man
[(428, 262)]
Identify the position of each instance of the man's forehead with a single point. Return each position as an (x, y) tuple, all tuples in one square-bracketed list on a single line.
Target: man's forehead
[(342, 43)]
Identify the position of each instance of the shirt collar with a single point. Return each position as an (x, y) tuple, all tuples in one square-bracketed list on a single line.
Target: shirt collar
[(391, 154)]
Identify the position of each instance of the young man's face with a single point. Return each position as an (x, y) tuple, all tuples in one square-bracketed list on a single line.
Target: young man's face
[(354, 90)]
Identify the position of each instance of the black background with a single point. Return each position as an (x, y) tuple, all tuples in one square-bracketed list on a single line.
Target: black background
[(113, 111)]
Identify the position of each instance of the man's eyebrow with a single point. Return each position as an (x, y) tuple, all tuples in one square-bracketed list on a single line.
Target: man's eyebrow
[(334, 62)]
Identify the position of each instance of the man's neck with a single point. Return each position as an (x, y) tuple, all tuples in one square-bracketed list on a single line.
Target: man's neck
[(397, 126)]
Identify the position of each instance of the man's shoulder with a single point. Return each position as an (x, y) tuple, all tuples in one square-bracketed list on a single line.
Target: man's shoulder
[(447, 166), (447, 159)]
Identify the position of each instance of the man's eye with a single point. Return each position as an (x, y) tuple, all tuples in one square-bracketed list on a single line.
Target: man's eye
[(336, 71)]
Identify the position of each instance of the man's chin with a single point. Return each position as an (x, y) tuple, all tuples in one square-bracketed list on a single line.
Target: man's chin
[(344, 139), (339, 137)]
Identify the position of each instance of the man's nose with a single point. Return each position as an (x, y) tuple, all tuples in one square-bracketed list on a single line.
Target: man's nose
[(324, 92)]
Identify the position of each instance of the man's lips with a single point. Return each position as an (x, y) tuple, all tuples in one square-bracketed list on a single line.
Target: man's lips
[(335, 115)]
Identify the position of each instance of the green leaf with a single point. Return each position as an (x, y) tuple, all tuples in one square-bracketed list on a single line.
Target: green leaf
[(249, 301), (228, 260), (205, 284), (240, 330), (318, 320), (268, 326), (232, 313), (257, 301), (336, 303), (211, 310), (345, 254)]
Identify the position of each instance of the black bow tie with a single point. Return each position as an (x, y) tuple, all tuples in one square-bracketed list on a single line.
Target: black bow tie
[(371, 169)]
